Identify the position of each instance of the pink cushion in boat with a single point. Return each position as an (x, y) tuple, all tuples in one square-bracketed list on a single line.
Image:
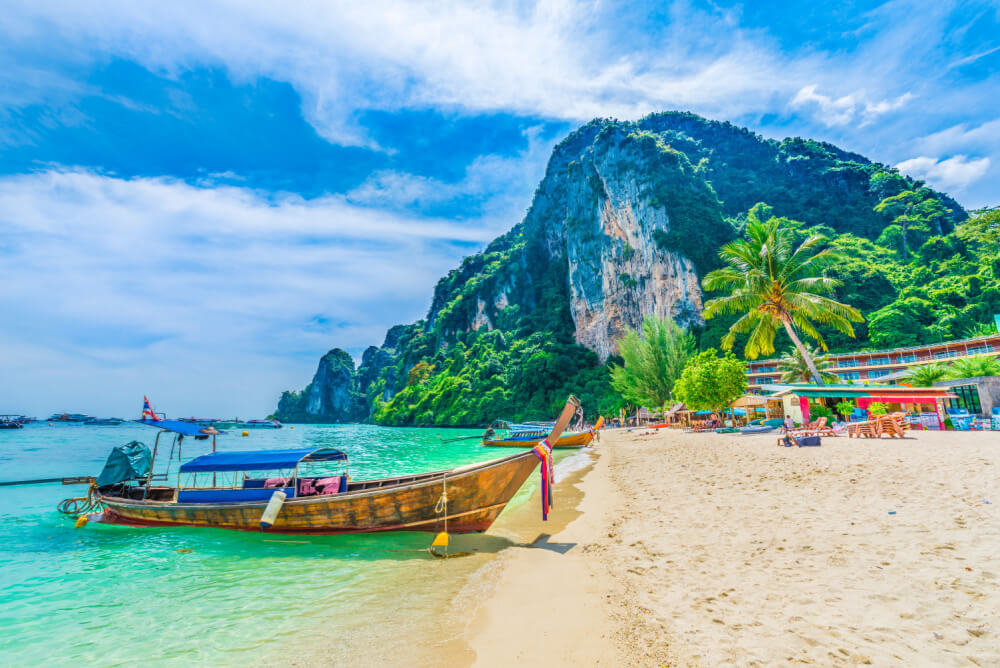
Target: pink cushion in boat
[(275, 482), (329, 485)]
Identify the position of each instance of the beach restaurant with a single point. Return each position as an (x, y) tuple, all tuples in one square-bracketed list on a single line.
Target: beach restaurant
[(759, 406), (927, 400)]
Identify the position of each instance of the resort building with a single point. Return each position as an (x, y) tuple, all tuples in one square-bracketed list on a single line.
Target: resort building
[(883, 366)]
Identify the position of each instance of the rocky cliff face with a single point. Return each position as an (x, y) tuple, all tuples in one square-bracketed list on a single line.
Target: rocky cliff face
[(332, 396), (625, 222), (607, 213)]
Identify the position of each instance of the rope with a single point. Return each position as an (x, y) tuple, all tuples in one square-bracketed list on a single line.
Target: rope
[(442, 507), (80, 505)]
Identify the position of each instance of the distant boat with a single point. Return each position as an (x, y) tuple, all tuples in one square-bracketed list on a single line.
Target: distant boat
[(111, 422), (70, 417), (262, 424), (504, 434), (248, 424), (201, 422), (11, 421)]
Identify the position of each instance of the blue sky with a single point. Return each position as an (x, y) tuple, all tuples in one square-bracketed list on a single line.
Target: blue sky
[(197, 199)]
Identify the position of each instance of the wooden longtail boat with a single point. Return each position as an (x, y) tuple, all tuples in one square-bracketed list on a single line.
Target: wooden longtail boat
[(476, 496), (464, 499), (503, 434)]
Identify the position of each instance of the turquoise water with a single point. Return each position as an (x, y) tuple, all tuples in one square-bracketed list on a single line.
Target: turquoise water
[(107, 595)]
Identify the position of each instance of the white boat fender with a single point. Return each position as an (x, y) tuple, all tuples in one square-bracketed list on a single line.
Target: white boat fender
[(272, 510)]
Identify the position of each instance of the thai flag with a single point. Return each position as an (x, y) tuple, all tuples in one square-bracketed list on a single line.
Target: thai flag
[(147, 411)]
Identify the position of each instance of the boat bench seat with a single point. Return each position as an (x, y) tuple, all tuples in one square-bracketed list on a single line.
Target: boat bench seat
[(229, 495), (322, 486)]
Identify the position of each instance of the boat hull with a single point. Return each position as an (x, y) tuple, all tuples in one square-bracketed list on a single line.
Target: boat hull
[(577, 440), (477, 494)]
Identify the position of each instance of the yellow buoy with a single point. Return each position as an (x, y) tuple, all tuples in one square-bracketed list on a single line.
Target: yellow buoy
[(81, 521), (441, 540), (246, 433), (292, 426)]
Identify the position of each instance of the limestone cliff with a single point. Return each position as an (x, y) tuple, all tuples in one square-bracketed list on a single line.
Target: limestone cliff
[(332, 396)]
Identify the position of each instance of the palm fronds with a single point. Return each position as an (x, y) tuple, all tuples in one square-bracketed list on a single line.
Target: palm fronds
[(771, 282)]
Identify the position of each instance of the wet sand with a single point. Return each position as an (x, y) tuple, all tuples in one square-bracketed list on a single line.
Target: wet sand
[(705, 549)]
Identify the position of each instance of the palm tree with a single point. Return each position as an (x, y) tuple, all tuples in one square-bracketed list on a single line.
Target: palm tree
[(795, 369), (771, 282), (926, 375), (974, 366)]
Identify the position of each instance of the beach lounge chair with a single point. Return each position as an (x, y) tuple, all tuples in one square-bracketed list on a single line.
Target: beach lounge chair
[(817, 428), (894, 425), (865, 429)]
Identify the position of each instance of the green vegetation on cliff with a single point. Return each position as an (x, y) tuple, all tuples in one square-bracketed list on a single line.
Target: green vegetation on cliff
[(626, 206)]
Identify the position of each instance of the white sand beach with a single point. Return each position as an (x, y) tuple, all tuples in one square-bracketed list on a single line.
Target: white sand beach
[(705, 549)]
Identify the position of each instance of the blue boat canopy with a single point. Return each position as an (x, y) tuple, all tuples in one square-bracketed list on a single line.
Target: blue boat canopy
[(260, 460), (183, 428)]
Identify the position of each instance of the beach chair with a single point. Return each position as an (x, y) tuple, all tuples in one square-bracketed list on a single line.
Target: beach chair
[(887, 424), (822, 429), (817, 428), (864, 429)]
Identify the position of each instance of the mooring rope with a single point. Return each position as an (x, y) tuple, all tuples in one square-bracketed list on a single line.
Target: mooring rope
[(80, 505)]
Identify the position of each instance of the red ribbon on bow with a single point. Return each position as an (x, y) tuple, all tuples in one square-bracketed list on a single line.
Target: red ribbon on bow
[(544, 452)]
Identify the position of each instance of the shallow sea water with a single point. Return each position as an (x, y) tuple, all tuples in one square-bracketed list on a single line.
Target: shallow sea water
[(107, 595)]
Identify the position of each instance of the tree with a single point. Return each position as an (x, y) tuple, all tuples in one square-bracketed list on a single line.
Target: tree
[(795, 369), (878, 408), (911, 211), (711, 382), (973, 366), (420, 372), (926, 375), (982, 230), (772, 282), (980, 329), (653, 361), (845, 408)]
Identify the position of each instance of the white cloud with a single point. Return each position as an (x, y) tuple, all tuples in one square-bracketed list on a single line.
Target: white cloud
[(954, 173), (845, 109), (556, 58), (211, 300), (837, 111), (984, 137), (509, 180), (973, 58)]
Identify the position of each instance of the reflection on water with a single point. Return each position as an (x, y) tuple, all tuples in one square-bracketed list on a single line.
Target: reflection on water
[(110, 595)]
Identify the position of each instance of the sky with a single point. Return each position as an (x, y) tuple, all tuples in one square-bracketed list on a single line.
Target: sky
[(198, 199)]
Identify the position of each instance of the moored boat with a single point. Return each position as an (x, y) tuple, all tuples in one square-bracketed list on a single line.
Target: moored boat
[(70, 417), (202, 422), (269, 423), (11, 421), (110, 422), (504, 434), (305, 496)]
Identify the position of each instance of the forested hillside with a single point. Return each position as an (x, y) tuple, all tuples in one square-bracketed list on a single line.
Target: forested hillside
[(627, 219)]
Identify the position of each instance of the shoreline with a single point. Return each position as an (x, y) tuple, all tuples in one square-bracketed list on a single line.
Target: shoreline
[(542, 603), (708, 549)]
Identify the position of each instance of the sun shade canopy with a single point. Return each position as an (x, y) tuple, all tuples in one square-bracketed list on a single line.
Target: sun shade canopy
[(261, 460), (180, 427)]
